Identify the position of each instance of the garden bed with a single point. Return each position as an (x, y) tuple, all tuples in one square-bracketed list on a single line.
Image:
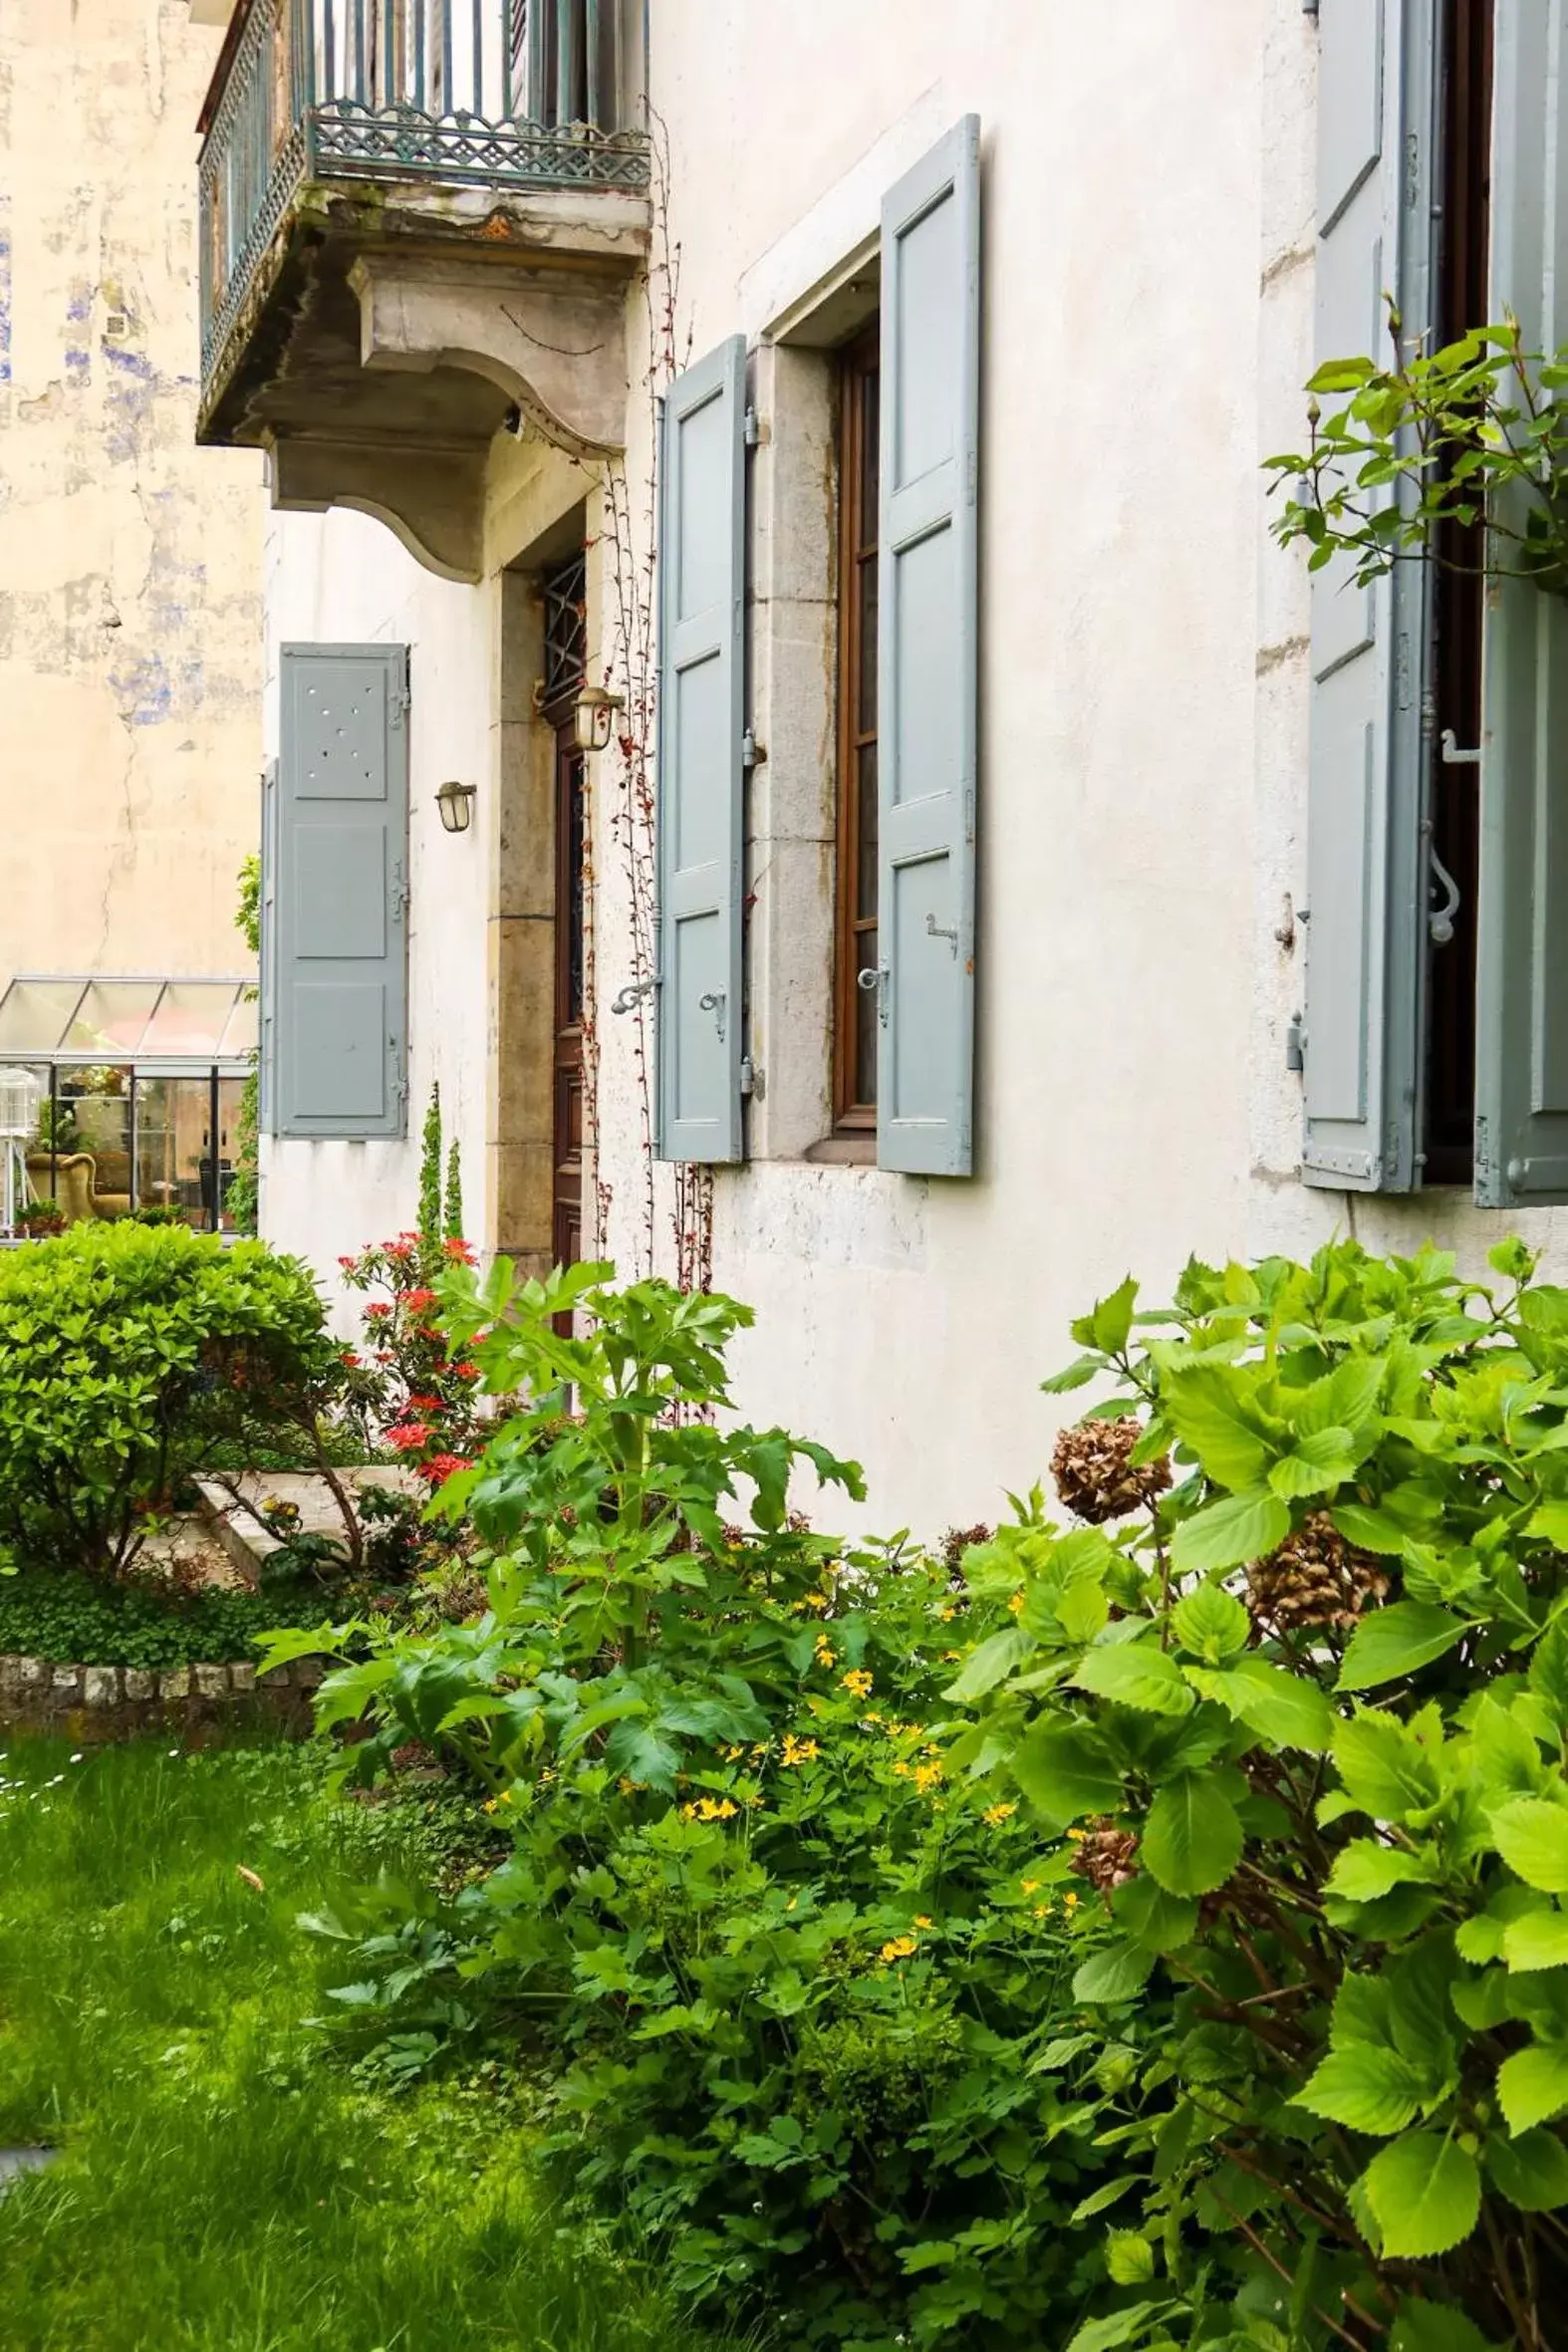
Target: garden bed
[(98, 1702)]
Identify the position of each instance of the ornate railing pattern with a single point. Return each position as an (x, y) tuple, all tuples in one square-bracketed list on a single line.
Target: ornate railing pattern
[(510, 94)]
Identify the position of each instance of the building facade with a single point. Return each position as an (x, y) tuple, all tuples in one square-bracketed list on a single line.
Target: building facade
[(131, 604), (781, 697)]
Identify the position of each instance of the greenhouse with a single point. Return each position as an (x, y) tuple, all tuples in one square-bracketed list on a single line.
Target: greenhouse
[(119, 1094)]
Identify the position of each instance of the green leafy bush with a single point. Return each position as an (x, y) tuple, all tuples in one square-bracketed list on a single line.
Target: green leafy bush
[(126, 1351), (801, 2005), (1305, 1717)]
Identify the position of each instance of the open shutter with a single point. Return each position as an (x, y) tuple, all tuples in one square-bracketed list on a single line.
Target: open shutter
[(928, 734), (267, 1025), (1521, 1040), (340, 988), (702, 684), (1367, 794)]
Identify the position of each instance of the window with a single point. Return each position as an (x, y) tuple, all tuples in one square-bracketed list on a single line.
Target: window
[(1465, 143), (856, 958)]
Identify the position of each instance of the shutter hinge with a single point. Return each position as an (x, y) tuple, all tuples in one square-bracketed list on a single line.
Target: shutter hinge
[(1295, 1044), (401, 893), (752, 1080), (752, 753), (751, 427), (400, 701)]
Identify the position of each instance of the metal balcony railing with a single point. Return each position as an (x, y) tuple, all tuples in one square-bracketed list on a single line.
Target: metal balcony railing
[(508, 93)]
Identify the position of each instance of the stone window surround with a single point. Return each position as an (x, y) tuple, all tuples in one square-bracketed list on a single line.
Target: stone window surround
[(793, 628)]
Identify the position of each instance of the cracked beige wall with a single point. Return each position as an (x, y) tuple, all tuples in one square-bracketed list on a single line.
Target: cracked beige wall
[(130, 636)]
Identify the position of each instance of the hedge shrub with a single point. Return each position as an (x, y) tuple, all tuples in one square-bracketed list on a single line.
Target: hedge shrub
[(126, 1351)]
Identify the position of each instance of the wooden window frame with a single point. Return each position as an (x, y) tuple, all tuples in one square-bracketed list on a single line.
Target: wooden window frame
[(858, 361)]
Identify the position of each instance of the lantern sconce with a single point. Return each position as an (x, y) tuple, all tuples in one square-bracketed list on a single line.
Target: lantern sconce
[(591, 717), (455, 802)]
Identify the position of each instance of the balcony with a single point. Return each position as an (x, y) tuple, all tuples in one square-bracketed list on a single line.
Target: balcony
[(419, 222)]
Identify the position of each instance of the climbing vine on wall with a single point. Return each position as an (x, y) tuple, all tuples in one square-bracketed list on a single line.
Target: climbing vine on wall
[(628, 540)]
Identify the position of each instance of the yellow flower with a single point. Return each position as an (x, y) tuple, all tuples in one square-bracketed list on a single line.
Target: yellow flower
[(857, 1681), (790, 1905), (799, 1751), (826, 1655), (899, 1947), (951, 1657), (1029, 1886), (625, 1785), (1070, 1902), (1076, 1836), (816, 1600), (995, 1815), (1015, 1602), (922, 1921), (1040, 1910), (948, 1615), (901, 1770), (927, 1776), (489, 1804)]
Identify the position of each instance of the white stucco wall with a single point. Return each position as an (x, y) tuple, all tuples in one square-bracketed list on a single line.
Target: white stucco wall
[(1148, 295), (343, 578)]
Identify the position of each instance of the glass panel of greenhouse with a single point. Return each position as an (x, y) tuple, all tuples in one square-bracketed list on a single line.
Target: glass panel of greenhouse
[(122, 1095)]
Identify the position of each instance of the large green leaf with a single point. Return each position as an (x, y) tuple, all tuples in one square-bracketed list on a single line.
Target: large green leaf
[(1118, 1973), (1212, 1624), (1532, 2171), (1364, 1871), (1549, 1671), (1384, 1768), (1135, 1673), (1123, 2327), (1532, 2085), (1316, 1464), (1537, 1940), (1065, 1772), (1239, 1528), (1203, 1408), (1367, 2088), (1280, 1706), (1398, 1640), (1193, 1838), (1426, 2196), (1435, 2327), (991, 1663), (1532, 1837)]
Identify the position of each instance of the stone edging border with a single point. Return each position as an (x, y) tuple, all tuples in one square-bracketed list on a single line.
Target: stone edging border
[(39, 1694)]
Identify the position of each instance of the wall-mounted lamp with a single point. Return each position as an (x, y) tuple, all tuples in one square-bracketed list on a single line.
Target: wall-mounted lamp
[(592, 715), (455, 802)]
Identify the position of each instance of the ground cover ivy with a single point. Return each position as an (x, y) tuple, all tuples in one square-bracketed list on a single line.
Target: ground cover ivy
[(1303, 1714)]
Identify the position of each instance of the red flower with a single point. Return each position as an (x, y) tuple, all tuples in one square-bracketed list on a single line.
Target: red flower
[(351, 1359), (425, 1404), (465, 1372), (441, 1467), (461, 1252), (348, 1264), (377, 1311), (399, 1249), (419, 1300), (409, 1435)]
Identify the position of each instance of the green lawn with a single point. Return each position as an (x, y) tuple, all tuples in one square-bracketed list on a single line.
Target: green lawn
[(225, 2185)]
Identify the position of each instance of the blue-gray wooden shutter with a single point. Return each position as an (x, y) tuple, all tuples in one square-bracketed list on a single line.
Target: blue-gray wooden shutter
[(267, 1021), (1521, 1028), (700, 775), (927, 732), (1367, 884), (341, 986)]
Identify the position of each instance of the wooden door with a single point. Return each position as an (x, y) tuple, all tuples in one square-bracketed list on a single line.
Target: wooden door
[(570, 940)]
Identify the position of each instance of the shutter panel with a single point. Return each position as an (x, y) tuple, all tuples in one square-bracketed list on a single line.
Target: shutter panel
[(1521, 1040), (267, 1024), (341, 833), (1367, 893), (926, 689), (702, 680)]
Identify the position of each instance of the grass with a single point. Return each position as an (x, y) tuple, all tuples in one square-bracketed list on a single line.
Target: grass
[(224, 2186)]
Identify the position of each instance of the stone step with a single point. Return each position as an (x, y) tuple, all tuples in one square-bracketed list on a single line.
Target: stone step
[(241, 1528)]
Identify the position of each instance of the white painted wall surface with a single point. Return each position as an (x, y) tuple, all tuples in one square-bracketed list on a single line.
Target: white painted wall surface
[(1148, 289), (344, 578)]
